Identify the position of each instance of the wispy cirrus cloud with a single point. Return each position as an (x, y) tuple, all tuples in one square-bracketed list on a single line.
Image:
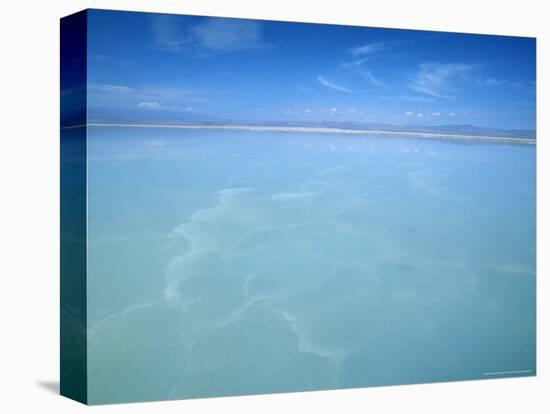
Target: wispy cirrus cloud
[(494, 82), (359, 67), (353, 64), (172, 93), (146, 93), (437, 79), (208, 36), (228, 35), (150, 99), (105, 59), (158, 107), (368, 49), (369, 76), (110, 88), (331, 85), (168, 34)]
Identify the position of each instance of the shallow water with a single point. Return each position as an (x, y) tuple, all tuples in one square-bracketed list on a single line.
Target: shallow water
[(244, 262)]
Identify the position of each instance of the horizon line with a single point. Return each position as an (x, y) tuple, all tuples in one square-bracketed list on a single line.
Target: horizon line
[(325, 130)]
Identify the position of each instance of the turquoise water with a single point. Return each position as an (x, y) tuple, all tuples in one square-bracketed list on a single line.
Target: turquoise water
[(244, 262)]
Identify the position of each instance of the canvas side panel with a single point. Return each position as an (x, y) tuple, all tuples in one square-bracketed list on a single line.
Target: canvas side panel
[(73, 369)]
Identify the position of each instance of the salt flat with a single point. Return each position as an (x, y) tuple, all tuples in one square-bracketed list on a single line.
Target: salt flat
[(228, 261)]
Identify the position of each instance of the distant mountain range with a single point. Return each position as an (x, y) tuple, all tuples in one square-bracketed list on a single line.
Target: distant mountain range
[(153, 117)]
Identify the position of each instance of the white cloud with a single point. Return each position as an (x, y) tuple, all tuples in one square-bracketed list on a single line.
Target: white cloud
[(353, 63), (149, 105), (228, 34), (494, 82), (411, 113), (358, 66), (169, 108), (150, 97), (110, 88), (367, 49), (436, 113), (435, 79), (367, 74), (325, 82), (210, 35), (451, 114), (168, 34)]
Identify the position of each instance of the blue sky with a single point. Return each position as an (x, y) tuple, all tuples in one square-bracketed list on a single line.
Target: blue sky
[(197, 67)]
